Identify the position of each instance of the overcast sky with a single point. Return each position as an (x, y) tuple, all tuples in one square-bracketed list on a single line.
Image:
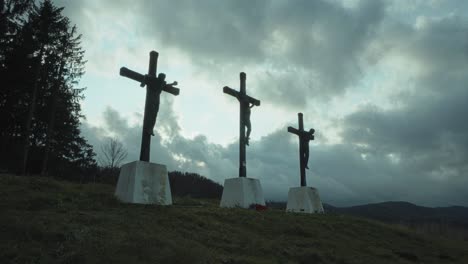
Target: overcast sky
[(383, 83)]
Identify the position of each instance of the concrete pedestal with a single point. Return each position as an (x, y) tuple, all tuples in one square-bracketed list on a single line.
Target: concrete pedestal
[(304, 200), (144, 183), (242, 192)]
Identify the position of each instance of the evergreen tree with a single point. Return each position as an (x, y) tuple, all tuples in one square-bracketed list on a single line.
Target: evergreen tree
[(42, 103), (15, 65), (11, 19)]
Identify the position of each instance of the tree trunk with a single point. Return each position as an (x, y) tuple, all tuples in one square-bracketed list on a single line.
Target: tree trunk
[(32, 108), (51, 124)]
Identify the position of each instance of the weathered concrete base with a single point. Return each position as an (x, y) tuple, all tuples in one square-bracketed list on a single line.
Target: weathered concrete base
[(144, 183), (242, 192), (304, 200)]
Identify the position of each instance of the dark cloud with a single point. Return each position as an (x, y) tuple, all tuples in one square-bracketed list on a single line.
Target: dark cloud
[(431, 115), (325, 43), (320, 42), (425, 139), (416, 150), (313, 47), (210, 30)]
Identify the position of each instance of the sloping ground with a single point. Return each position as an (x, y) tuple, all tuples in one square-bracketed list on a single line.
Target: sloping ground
[(45, 221)]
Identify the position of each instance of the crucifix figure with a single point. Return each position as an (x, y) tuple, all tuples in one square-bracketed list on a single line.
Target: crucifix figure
[(304, 138), (154, 87), (246, 103)]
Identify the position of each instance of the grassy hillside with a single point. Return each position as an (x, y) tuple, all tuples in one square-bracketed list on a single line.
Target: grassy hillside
[(45, 221)]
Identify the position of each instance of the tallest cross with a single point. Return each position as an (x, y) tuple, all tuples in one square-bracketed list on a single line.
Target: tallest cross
[(141, 181), (154, 87), (246, 102)]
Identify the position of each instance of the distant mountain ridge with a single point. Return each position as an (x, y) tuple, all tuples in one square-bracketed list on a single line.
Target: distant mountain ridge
[(403, 211), (450, 221)]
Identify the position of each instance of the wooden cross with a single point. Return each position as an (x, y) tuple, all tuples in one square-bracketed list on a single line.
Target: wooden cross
[(154, 87), (246, 102), (304, 138)]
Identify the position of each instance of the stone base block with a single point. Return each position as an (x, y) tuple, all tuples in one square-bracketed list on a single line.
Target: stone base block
[(242, 192), (144, 182), (304, 200)]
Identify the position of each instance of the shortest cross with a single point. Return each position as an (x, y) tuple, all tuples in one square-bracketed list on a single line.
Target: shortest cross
[(154, 87), (304, 138)]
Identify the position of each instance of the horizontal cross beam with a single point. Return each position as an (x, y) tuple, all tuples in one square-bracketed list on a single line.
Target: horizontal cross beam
[(302, 134), (237, 94), (125, 72), (147, 80)]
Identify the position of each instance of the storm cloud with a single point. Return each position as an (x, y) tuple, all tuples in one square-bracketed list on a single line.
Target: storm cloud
[(405, 137), (310, 48)]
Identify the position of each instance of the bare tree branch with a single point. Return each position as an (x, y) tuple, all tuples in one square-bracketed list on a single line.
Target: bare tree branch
[(113, 153)]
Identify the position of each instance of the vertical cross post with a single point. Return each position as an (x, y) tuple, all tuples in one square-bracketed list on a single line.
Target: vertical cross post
[(146, 137), (301, 151), (245, 101), (242, 154), (154, 87)]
